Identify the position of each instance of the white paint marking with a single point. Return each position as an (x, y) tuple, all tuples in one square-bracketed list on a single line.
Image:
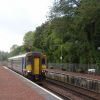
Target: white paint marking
[(5, 67), (36, 84)]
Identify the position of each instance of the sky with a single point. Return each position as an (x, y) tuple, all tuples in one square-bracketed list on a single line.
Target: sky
[(17, 17)]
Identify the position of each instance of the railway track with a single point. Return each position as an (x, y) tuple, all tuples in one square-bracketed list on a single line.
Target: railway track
[(66, 95), (70, 92)]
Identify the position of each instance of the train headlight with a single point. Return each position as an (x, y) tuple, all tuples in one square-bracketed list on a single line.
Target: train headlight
[(29, 71), (43, 71)]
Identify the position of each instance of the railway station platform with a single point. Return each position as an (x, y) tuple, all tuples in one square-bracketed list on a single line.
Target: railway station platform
[(15, 87)]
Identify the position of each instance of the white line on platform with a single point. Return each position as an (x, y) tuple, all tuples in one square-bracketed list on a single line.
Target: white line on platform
[(36, 85), (5, 67)]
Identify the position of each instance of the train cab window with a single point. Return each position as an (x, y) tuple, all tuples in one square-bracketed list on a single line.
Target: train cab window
[(43, 60), (29, 59)]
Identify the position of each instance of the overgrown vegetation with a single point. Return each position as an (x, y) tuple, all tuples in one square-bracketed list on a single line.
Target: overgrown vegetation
[(3, 56), (71, 34)]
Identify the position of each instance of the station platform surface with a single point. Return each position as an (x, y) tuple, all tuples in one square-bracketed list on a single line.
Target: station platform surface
[(15, 87)]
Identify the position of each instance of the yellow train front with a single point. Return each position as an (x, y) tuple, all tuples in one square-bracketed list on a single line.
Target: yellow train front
[(36, 65)]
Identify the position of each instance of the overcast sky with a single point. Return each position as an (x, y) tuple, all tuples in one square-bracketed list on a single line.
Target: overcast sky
[(18, 17)]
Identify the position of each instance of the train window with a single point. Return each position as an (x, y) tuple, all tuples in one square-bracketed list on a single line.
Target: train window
[(43, 60), (29, 59)]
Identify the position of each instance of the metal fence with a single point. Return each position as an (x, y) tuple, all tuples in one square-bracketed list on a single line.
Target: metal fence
[(75, 67)]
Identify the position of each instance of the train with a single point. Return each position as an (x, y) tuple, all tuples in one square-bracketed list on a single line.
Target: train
[(31, 65), (85, 83)]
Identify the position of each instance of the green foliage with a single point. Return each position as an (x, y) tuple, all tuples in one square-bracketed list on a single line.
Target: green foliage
[(13, 47), (16, 51), (28, 38), (3, 56), (28, 41), (78, 29), (72, 31)]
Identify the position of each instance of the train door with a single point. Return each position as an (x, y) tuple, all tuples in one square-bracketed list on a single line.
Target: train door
[(36, 65)]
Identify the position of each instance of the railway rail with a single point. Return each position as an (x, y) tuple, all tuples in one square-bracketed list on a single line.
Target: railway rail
[(70, 92), (61, 91)]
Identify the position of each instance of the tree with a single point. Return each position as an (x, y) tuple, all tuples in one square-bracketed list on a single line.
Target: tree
[(87, 19), (3, 56), (73, 25), (17, 51), (13, 47)]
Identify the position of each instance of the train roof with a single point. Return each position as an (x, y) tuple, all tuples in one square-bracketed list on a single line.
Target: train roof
[(23, 55), (18, 56)]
